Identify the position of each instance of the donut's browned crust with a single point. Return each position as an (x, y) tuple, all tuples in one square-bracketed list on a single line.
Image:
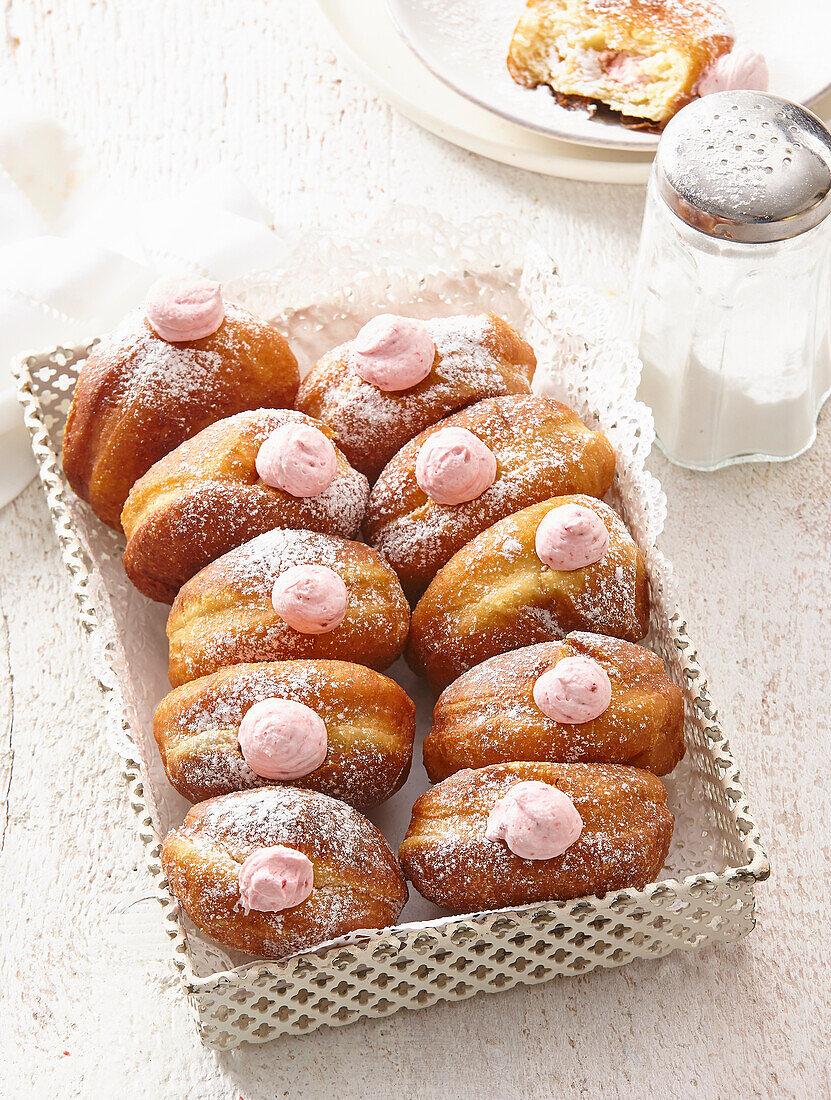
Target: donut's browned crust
[(357, 880), (488, 715), (476, 357), (224, 615), (139, 396), (495, 594), (542, 450), (206, 497), (627, 830), (573, 46), (370, 725)]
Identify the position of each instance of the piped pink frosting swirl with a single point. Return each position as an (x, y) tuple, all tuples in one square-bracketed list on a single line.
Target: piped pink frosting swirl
[(282, 739), (536, 821), (297, 458), (393, 353), (310, 598), (454, 466), (185, 308), (577, 689), (276, 878), (570, 537), (743, 69)]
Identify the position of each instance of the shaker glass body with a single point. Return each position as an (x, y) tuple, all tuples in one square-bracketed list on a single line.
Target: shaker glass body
[(734, 339)]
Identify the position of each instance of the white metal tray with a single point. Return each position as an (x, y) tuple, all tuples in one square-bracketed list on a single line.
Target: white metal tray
[(326, 289)]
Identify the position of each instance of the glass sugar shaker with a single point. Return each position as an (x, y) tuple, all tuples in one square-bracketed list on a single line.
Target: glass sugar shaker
[(731, 307)]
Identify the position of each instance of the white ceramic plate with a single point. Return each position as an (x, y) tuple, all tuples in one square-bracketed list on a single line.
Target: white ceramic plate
[(366, 38), (465, 43)]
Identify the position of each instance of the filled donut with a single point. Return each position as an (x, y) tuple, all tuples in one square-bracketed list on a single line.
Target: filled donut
[(275, 870), (330, 726), (400, 375), (288, 595), (565, 564), (234, 480), (185, 360), (511, 834), (588, 698), (458, 477)]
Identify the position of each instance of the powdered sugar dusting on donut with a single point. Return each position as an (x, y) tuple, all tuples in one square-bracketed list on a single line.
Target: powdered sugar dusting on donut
[(199, 726), (460, 346), (540, 447), (483, 602), (623, 843), (203, 506), (208, 484), (164, 374), (703, 17), (489, 710), (614, 585), (373, 423), (222, 703), (288, 815), (464, 361), (256, 565), (511, 547), (355, 783), (217, 772), (225, 615), (354, 866)]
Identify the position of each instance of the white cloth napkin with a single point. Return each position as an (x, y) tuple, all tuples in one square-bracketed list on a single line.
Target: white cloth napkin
[(75, 256)]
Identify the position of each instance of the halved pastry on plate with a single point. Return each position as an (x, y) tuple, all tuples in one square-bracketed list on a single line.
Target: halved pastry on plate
[(642, 58)]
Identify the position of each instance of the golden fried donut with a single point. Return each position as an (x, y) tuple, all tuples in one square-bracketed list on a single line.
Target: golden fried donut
[(623, 844), (496, 594), (369, 720), (475, 357), (542, 450), (225, 615), (355, 879), (207, 497), (139, 396), (489, 715), (642, 58)]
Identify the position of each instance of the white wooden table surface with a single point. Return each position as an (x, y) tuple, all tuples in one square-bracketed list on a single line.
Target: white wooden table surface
[(90, 1008)]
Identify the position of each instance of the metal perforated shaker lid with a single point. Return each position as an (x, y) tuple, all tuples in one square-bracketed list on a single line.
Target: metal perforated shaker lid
[(746, 166)]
